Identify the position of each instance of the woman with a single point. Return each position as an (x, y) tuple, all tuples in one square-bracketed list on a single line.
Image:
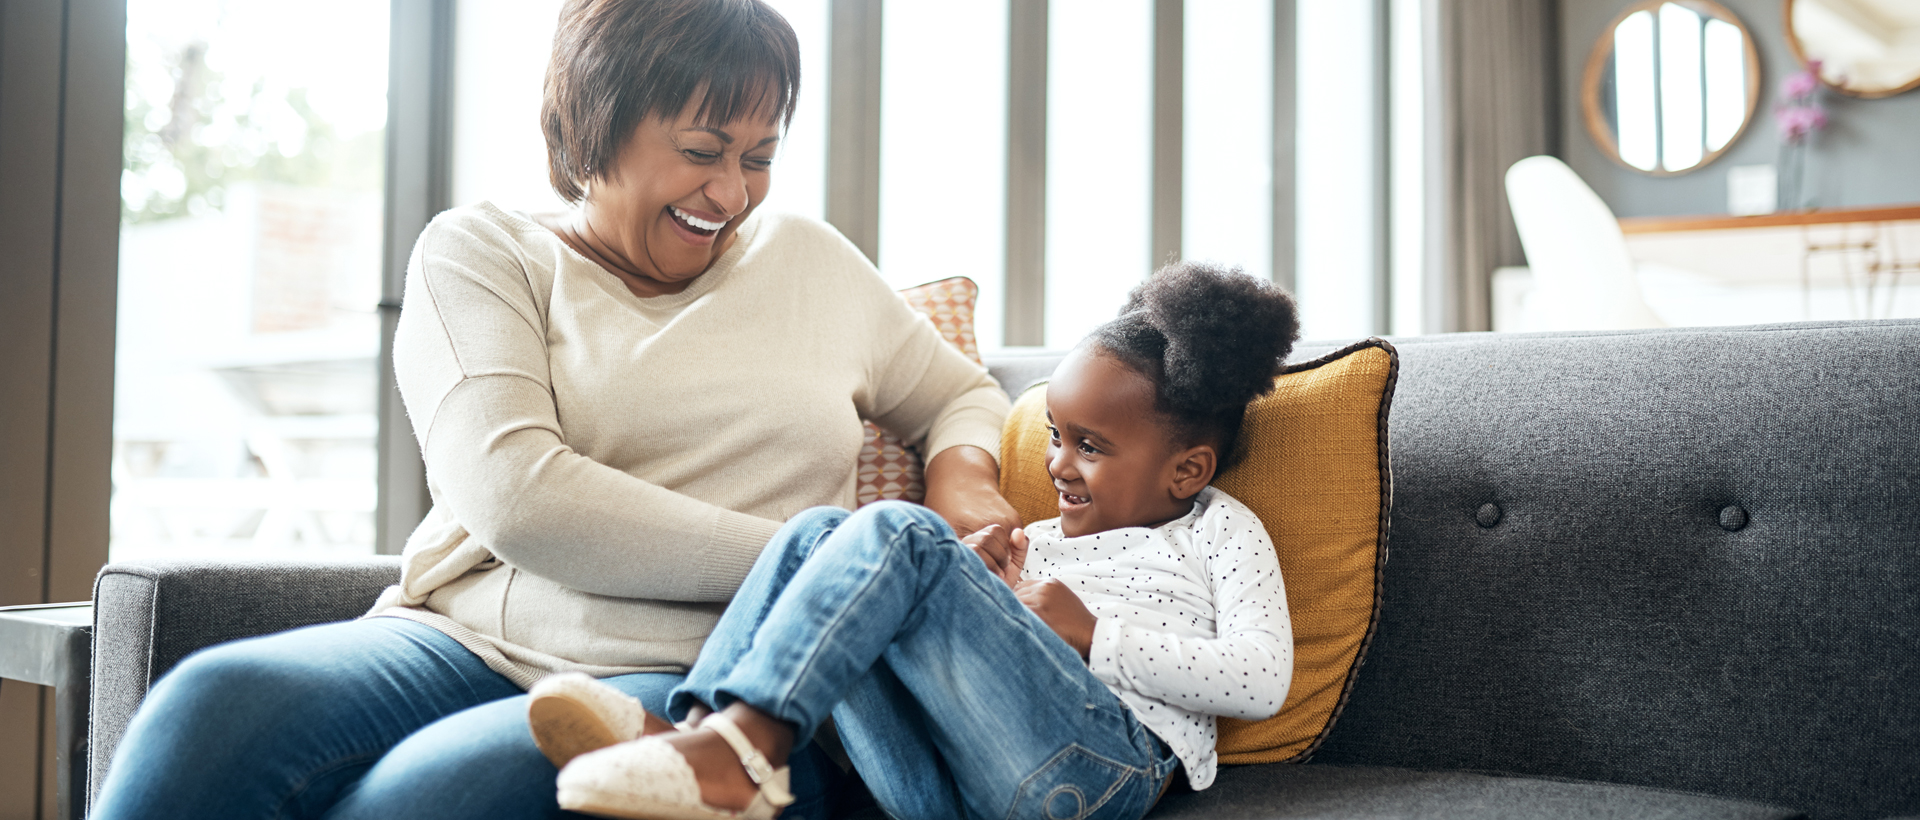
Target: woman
[(618, 407)]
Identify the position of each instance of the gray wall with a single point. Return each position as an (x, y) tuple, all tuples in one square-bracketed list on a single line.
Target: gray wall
[(1869, 154)]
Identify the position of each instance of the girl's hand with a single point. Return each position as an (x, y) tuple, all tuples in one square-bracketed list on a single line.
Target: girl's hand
[(1062, 610), (1004, 552), (963, 486)]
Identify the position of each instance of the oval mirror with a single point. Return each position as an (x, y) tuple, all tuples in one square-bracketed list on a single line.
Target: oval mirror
[(1670, 85), (1866, 48)]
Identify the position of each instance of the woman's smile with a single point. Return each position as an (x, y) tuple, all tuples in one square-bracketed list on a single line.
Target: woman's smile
[(694, 222), (694, 229)]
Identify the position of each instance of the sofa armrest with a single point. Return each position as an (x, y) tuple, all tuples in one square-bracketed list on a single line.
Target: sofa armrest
[(150, 614)]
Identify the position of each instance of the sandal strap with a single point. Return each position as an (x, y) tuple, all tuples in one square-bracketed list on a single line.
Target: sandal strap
[(758, 768)]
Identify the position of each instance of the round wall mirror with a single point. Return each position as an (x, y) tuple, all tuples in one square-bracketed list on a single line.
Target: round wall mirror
[(1671, 84), (1866, 48)]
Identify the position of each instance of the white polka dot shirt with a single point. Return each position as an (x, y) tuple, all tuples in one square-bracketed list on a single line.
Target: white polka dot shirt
[(1192, 619)]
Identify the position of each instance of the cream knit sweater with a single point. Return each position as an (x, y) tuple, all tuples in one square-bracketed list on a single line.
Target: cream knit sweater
[(605, 468)]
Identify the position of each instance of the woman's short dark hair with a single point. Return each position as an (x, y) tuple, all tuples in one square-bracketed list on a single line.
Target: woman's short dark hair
[(616, 62)]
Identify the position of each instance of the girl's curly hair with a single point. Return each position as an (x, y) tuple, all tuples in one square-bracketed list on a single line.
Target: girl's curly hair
[(1211, 339)]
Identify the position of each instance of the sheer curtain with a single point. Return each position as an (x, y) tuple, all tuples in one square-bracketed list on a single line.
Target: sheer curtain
[(1496, 62)]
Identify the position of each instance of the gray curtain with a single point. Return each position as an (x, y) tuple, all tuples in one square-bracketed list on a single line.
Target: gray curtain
[(1493, 70)]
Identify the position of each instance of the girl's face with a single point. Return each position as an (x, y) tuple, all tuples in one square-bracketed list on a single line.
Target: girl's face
[(1111, 461), (677, 194)]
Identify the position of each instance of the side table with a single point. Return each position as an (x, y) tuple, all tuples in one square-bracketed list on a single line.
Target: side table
[(52, 645)]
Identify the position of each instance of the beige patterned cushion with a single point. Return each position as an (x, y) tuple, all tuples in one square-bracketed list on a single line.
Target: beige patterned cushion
[(888, 468)]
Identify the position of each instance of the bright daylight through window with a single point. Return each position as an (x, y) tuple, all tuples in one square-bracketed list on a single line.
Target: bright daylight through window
[(244, 413)]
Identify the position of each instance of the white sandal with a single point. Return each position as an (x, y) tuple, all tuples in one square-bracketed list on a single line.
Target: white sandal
[(572, 714), (648, 779)]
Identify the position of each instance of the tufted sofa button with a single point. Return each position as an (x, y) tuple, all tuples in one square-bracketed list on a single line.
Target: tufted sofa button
[(1733, 517), (1488, 514)]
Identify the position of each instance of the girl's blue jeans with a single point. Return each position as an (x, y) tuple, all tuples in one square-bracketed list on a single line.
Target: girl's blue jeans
[(952, 699), (378, 718)]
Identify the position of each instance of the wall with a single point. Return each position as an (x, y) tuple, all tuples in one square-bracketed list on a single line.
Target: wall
[(1866, 156), (60, 125)]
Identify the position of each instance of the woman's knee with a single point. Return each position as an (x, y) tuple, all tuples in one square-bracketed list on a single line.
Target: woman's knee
[(317, 672), (236, 673)]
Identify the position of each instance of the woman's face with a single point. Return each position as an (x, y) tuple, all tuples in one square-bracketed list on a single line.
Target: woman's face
[(677, 193)]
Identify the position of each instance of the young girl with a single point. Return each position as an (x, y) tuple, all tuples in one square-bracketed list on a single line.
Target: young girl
[(1064, 670)]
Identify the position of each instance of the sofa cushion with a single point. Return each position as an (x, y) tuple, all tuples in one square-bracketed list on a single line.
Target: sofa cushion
[(1315, 469), (887, 468), (1273, 792)]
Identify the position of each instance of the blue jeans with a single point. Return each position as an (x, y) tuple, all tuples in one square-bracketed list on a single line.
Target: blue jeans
[(379, 718), (951, 697)]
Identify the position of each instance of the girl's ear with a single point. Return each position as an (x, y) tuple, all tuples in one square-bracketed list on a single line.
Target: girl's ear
[(1192, 470)]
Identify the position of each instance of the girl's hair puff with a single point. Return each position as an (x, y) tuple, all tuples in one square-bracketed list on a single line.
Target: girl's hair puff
[(1211, 339)]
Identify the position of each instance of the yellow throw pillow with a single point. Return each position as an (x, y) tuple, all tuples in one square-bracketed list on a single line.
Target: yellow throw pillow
[(889, 469), (1314, 468)]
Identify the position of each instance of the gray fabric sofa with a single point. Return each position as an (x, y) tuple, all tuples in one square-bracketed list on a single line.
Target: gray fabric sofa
[(1664, 573)]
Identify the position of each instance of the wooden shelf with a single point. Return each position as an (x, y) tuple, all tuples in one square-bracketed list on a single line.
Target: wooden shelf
[(1668, 224)]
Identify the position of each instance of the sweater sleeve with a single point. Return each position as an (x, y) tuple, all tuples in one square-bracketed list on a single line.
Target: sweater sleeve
[(925, 390), (471, 360), (1242, 672)]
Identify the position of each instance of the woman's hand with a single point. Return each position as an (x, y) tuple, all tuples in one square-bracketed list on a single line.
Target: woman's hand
[(963, 486), (1062, 610), (1003, 551)]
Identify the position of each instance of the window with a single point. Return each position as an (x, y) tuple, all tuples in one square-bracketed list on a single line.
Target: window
[(250, 260), (499, 64), (1099, 160), (1408, 143), (800, 169), (1227, 201), (1336, 194), (943, 126)]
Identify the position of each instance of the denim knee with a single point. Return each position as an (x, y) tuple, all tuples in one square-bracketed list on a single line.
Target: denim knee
[(226, 672), (890, 519), (898, 515), (818, 517)]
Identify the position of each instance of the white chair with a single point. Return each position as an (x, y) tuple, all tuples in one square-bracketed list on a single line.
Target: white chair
[(1583, 278)]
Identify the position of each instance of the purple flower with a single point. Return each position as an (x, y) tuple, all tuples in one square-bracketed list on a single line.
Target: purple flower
[(1799, 85), (1798, 121), (1799, 114)]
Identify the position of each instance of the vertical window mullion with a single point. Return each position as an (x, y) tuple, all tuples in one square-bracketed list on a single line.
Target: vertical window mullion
[(1169, 110), (1026, 279), (418, 186), (1285, 136), (853, 122)]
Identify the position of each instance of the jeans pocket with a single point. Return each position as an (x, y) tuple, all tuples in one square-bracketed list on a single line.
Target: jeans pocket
[(1077, 784)]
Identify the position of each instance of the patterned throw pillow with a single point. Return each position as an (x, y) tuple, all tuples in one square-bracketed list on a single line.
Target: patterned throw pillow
[(888, 468), (1314, 468)]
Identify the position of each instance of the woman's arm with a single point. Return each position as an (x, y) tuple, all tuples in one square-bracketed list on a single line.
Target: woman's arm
[(927, 392), (963, 486)]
